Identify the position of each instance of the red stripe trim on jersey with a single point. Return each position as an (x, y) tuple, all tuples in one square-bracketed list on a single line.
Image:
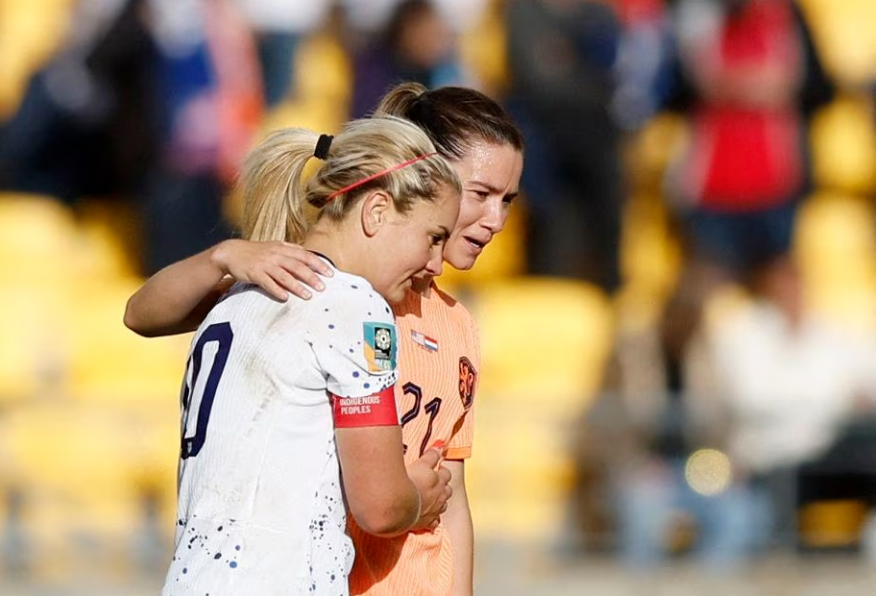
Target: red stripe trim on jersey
[(378, 409)]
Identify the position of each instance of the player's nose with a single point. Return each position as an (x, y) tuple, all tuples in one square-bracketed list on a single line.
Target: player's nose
[(435, 266)]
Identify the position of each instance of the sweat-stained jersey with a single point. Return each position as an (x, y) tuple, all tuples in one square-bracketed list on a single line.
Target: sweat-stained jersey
[(438, 363), (260, 509)]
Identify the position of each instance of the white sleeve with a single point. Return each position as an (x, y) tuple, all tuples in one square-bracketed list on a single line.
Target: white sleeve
[(354, 338)]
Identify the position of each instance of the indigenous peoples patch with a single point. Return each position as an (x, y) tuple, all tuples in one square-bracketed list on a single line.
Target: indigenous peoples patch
[(468, 376), (380, 346), (378, 409)]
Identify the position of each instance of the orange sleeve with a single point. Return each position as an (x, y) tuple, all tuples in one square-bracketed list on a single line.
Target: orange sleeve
[(460, 444)]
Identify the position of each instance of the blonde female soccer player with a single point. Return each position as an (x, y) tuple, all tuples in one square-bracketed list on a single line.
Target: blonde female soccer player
[(283, 399), (439, 355)]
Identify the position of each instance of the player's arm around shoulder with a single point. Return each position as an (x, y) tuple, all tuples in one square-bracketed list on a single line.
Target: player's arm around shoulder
[(178, 298)]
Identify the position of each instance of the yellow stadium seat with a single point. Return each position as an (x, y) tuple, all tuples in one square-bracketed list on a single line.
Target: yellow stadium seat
[(323, 70), (845, 36), (832, 524), (55, 309), (482, 49), (835, 244), (544, 345), (32, 357), (73, 467), (109, 239), (650, 252), (30, 32), (652, 150), (541, 336), (521, 472), (109, 363), (323, 87), (843, 140), (37, 235), (155, 449)]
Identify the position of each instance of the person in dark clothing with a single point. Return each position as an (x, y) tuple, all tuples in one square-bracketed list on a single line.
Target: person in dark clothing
[(83, 127), (136, 107), (417, 45), (561, 56)]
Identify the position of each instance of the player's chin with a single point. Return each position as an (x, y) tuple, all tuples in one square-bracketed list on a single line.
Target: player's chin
[(462, 253), (397, 293), (460, 260)]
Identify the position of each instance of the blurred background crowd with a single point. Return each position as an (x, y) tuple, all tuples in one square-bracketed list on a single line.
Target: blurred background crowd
[(678, 323)]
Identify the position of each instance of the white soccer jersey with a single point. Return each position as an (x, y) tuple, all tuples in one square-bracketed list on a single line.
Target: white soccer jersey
[(261, 511)]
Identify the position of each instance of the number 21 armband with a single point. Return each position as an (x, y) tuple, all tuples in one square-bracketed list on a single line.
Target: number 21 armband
[(378, 409)]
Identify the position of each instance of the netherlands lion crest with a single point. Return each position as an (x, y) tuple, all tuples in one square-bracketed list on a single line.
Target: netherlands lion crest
[(467, 378)]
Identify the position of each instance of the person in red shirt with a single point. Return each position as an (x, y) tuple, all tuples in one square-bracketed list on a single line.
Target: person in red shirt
[(751, 77)]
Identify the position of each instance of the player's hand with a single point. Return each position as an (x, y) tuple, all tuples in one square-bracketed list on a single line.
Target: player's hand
[(276, 267), (431, 479)]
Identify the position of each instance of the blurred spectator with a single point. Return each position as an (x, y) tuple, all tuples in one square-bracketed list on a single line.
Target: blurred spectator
[(370, 16), (636, 449), (82, 127), (644, 62), (148, 100), (209, 102), (790, 382), (750, 80), (279, 27), (719, 426), (367, 16), (417, 44), (561, 59)]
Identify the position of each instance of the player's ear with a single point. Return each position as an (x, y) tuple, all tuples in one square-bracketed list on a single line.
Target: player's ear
[(376, 209)]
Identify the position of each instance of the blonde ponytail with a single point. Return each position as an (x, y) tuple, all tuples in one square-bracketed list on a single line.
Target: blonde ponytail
[(272, 187)]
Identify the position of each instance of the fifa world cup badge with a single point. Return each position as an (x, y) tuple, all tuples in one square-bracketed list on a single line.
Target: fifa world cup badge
[(380, 346)]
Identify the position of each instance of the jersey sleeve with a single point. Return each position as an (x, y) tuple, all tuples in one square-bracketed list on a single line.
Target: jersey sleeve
[(355, 341), (460, 444)]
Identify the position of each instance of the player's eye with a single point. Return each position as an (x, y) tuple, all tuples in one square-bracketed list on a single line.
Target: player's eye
[(436, 239), (478, 195)]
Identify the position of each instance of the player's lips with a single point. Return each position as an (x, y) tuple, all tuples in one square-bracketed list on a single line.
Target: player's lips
[(477, 244)]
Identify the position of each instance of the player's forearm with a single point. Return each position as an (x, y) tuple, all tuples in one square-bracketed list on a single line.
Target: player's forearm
[(458, 525), (388, 512), (392, 515), (380, 495), (177, 298)]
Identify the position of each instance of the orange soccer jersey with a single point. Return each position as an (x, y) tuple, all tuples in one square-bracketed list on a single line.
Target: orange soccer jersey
[(438, 361)]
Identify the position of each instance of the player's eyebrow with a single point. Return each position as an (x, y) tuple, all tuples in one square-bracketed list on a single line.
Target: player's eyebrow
[(495, 189)]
